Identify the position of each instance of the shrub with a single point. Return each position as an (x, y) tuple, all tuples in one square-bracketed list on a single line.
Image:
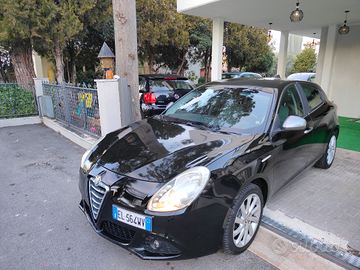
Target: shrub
[(16, 101)]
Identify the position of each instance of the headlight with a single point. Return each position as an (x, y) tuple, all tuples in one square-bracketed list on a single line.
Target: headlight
[(180, 191), (85, 162)]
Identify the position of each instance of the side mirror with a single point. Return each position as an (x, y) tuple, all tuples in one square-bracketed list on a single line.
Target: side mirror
[(291, 123), (294, 123)]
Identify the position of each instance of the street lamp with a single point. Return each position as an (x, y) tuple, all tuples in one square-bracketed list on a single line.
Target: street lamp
[(107, 59)]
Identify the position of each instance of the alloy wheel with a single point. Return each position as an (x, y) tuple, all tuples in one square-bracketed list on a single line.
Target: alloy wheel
[(247, 220), (331, 150)]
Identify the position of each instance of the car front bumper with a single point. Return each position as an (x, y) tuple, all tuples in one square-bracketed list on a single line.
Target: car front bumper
[(192, 232)]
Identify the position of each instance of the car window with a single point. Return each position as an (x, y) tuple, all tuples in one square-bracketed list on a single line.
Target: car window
[(290, 104), (246, 76), (142, 83), (228, 76), (239, 109), (312, 96), (157, 85)]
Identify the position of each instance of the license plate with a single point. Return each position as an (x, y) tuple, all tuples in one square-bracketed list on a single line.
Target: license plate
[(131, 218)]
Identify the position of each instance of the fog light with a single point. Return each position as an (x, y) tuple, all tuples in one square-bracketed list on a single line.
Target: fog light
[(159, 246), (155, 244)]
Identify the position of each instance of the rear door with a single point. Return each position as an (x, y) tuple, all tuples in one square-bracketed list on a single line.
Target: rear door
[(318, 110)]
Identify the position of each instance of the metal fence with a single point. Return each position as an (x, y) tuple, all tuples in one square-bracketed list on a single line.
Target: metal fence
[(17, 100), (76, 106)]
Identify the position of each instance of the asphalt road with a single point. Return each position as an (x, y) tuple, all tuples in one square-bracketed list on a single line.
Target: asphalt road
[(41, 226)]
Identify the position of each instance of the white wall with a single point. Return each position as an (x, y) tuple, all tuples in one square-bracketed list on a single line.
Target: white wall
[(345, 79)]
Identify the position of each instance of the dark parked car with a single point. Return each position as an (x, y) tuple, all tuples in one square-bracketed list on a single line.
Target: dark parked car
[(303, 76), (234, 75), (157, 90), (196, 178)]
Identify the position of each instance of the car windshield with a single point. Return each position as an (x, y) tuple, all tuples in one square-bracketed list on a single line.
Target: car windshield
[(167, 84), (234, 108)]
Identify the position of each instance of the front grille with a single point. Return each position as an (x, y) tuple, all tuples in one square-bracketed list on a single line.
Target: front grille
[(121, 233), (96, 193)]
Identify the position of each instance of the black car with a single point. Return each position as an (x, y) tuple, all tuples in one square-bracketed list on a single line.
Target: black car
[(158, 90), (196, 178)]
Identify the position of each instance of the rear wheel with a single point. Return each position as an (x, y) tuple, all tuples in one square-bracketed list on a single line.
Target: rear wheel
[(244, 220), (328, 157)]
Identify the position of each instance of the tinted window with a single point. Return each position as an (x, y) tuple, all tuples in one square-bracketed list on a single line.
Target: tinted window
[(141, 83), (170, 85), (312, 95), (290, 104), (228, 76), (237, 109)]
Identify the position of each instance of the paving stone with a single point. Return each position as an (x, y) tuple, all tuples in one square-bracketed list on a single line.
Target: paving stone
[(326, 199)]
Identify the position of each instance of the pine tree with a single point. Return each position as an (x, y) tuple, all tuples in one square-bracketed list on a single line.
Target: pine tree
[(57, 22), (246, 47), (305, 61), (17, 19), (201, 40)]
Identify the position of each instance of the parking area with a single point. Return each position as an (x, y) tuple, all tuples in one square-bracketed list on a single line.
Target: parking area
[(42, 227), (324, 204)]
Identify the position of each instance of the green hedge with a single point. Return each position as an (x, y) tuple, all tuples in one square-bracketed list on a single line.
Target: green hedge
[(16, 101)]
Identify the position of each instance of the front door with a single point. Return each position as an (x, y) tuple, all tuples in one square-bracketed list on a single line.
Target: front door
[(292, 151)]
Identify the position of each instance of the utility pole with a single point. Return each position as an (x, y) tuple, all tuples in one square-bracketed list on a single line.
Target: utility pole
[(126, 49)]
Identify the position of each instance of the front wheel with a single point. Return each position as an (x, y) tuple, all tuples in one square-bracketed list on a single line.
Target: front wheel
[(244, 220), (328, 157)]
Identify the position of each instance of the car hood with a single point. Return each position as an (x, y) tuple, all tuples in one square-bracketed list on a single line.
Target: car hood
[(156, 150)]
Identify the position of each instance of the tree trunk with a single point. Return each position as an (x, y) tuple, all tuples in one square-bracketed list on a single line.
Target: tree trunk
[(21, 57), (59, 59), (151, 66), (73, 71), (181, 68), (126, 49), (207, 65)]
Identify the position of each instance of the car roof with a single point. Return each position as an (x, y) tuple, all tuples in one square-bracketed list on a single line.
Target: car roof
[(279, 84), (163, 76), (303, 73)]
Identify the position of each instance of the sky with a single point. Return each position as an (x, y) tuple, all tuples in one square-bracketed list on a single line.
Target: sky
[(276, 41)]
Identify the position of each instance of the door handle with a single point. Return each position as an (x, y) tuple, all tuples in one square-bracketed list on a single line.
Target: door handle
[(308, 130)]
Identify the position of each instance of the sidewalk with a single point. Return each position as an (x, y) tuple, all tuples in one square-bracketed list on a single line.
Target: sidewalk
[(324, 204)]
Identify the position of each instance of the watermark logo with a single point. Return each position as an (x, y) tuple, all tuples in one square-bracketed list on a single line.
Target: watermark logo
[(281, 246)]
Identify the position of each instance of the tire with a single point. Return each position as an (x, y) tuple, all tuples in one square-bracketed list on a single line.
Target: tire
[(241, 229), (328, 157)]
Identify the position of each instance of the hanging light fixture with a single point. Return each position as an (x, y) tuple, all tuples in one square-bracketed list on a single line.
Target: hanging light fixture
[(269, 37), (312, 44), (343, 30), (297, 15)]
